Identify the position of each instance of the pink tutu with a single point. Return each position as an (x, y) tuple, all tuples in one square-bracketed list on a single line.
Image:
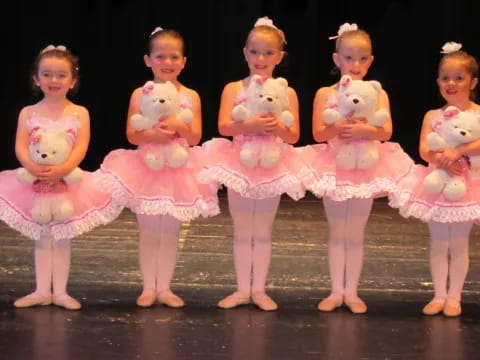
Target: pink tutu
[(393, 165), (91, 207), (255, 182), (412, 199), (318, 175), (168, 191)]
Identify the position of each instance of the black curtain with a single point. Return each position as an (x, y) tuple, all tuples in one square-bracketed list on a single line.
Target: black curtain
[(110, 37)]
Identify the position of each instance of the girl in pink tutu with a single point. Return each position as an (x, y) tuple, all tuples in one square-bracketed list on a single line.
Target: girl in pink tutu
[(450, 212), (51, 200), (161, 190), (255, 184), (349, 203)]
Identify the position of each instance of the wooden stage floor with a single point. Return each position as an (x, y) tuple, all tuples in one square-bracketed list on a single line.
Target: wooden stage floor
[(105, 276)]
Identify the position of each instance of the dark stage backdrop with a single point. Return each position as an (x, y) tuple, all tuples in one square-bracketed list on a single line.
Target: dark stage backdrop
[(110, 37)]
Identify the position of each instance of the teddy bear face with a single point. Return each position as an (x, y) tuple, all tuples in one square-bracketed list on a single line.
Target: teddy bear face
[(267, 96), (159, 99), (357, 97), (50, 148), (461, 128)]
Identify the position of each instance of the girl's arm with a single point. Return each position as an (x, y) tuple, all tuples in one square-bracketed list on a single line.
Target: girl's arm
[(321, 131), (290, 134), (259, 124), (191, 132), (22, 142), (156, 135)]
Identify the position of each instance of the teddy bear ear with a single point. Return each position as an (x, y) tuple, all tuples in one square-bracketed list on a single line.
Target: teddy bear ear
[(345, 81), (450, 112), (148, 87), (376, 85), (170, 85), (282, 82), (256, 79)]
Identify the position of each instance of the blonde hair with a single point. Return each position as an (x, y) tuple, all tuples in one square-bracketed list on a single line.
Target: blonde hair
[(347, 35), (277, 33)]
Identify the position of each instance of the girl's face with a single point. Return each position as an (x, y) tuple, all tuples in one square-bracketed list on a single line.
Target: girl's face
[(166, 59), (54, 77), (262, 53), (354, 57), (454, 81)]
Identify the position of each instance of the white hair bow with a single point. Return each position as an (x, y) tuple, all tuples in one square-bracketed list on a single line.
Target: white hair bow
[(450, 47), (343, 29), (157, 29), (53, 47)]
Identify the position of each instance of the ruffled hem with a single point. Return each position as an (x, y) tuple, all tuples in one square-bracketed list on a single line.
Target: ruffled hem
[(375, 189), (75, 226), (443, 213), (238, 182), (157, 205), (317, 184)]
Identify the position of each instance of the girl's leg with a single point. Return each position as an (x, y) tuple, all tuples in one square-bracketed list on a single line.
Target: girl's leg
[(241, 210), (459, 261), (336, 212), (358, 211), (264, 215), (61, 270), (167, 259), (439, 239), (150, 227), (43, 275)]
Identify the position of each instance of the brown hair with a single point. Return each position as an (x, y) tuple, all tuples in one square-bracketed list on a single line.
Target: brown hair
[(353, 34), (165, 33), (61, 54), (277, 33)]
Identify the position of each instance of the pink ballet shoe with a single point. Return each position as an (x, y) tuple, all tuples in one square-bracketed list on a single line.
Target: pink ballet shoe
[(330, 303), (452, 308), (234, 300), (434, 307), (146, 298), (168, 298), (33, 299), (263, 301), (67, 302), (355, 304)]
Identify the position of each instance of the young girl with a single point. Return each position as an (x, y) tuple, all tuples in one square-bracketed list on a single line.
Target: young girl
[(254, 191), (43, 210), (449, 221), (163, 198), (348, 205)]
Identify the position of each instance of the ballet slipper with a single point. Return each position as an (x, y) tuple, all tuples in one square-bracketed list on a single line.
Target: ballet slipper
[(67, 302), (234, 300), (146, 298), (33, 299), (168, 298), (263, 301), (355, 304), (434, 307), (452, 308), (330, 303)]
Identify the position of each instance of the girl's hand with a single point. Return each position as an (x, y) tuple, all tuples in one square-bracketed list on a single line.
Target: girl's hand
[(262, 124), (171, 123), (354, 128), (448, 157), (160, 134), (52, 173)]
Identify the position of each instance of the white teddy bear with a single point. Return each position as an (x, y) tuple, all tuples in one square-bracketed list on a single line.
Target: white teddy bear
[(456, 128), (357, 99), (51, 148), (159, 100), (263, 97)]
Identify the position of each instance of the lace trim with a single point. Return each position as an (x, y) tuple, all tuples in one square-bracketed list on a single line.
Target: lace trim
[(443, 214), (283, 183), (377, 188), (99, 215), (157, 205), (319, 185)]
